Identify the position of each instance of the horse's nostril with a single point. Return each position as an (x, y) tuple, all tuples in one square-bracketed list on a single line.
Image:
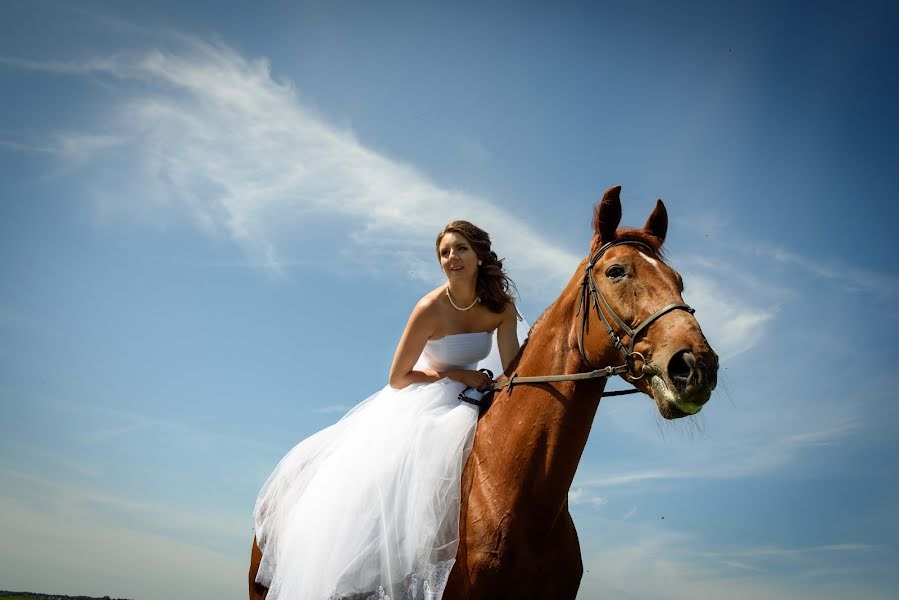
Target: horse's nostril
[(681, 366)]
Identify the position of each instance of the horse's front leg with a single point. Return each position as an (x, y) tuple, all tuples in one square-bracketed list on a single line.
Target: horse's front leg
[(517, 568), (559, 574)]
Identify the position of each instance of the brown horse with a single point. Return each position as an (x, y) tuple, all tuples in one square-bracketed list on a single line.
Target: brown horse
[(517, 538)]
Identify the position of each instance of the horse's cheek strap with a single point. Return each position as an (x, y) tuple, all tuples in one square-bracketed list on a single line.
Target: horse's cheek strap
[(651, 318)]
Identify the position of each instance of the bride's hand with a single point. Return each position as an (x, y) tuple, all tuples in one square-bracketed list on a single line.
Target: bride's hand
[(472, 379)]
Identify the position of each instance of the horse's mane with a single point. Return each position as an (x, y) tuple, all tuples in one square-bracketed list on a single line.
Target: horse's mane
[(513, 364)]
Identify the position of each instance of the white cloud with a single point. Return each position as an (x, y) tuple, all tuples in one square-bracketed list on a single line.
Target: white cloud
[(777, 552), (90, 501), (88, 67), (851, 278), (846, 276), (667, 565), (730, 323), (473, 150), (210, 136), (214, 137), (737, 458), (44, 456), (78, 146), (578, 496), (131, 421)]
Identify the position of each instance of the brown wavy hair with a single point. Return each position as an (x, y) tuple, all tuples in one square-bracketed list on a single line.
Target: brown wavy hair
[(493, 286)]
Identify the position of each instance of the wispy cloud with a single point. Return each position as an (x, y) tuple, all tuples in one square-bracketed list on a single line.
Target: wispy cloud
[(96, 502), (579, 496), (69, 146), (131, 421), (732, 461), (777, 552), (473, 150), (851, 278), (731, 323), (846, 276), (102, 435), (649, 562), (99, 65), (740, 565), (20, 146), (46, 457), (219, 139), (206, 134)]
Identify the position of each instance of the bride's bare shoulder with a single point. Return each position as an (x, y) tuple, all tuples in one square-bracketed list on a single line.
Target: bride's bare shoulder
[(427, 311), (431, 300)]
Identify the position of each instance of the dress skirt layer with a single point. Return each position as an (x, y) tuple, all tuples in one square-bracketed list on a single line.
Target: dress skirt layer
[(369, 507)]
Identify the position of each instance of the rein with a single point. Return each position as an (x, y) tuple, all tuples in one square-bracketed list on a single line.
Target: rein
[(590, 294)]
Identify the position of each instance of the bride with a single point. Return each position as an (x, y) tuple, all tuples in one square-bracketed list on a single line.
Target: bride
[(369, 507)]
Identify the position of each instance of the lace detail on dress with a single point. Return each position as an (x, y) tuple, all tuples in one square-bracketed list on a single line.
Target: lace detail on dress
[(428, 586), (431, 587), (379, 595)]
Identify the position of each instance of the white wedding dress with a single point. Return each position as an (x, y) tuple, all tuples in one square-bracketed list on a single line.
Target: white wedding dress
[(369, 507)]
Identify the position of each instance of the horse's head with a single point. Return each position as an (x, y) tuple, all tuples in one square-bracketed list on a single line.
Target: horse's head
[(639, 299)]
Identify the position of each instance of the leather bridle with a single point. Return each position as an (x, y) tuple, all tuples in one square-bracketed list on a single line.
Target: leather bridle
[(590, 295)]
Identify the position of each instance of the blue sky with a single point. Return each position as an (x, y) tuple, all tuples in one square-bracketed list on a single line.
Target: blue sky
[(215, 219)]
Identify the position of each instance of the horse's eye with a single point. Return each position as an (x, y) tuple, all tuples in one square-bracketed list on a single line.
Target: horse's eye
[(615, 272)]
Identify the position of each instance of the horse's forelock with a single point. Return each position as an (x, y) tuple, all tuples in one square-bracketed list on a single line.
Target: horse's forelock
[(638, 235)]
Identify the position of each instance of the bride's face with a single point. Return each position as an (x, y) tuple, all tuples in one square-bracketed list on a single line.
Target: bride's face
[(457, 258)]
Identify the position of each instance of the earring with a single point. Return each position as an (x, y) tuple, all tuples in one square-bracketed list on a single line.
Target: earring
[(480, 263)]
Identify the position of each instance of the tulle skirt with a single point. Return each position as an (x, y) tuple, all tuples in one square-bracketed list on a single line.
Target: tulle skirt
[(369, 507)]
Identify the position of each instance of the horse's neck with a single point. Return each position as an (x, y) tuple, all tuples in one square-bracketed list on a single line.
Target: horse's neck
[(543, 428)]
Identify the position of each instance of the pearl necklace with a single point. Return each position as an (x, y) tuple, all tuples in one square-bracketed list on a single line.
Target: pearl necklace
[(475, 301)]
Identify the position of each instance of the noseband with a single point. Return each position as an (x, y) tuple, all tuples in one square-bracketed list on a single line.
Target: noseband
[(590, 294)]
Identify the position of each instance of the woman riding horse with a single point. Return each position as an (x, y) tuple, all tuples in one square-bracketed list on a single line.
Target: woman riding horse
[(621, 313)]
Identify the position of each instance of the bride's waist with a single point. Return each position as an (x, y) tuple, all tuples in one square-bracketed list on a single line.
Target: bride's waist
[(434, 365)]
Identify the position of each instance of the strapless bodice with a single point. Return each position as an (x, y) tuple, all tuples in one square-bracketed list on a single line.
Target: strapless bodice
[(459, 351)]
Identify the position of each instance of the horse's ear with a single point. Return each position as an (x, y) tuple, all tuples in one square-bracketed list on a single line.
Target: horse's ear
[(607, 215), (657, 223)]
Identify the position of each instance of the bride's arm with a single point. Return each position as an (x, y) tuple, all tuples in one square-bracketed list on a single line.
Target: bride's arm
[(419, 328), (507, 335)]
